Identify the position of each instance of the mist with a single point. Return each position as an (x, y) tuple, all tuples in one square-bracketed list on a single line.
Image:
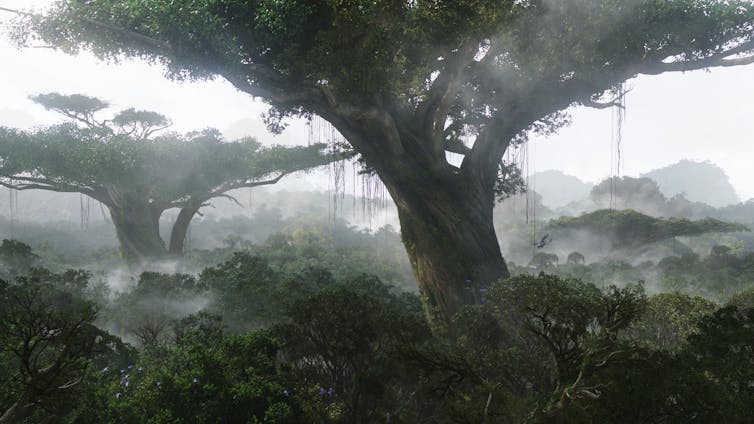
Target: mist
[(368, 212)]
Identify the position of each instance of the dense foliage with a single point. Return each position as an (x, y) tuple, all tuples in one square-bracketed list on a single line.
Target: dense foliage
[(264, 346)]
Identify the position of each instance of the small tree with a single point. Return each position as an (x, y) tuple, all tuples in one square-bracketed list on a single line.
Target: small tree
[(47, 341), (16, 258), (669, 319), (137, 175)]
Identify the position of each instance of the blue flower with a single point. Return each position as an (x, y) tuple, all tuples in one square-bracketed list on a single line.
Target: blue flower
[(130, 366), (482, 299), (105, 369), (321, 391), (195, 381), (159, 383), (467, 281), (330, 391), (140, 369), (122, 371), (117, 395), (482, 290), (285, 393)]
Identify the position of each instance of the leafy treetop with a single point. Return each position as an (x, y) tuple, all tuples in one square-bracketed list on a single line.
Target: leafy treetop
[(631, 229), (92, 156)]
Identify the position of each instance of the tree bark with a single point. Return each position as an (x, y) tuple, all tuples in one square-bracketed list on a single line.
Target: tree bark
[(180, 228), (448, 232), (137, 224), (445, 211)]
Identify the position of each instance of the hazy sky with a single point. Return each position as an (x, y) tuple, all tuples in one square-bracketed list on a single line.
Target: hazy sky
[(697, 115)]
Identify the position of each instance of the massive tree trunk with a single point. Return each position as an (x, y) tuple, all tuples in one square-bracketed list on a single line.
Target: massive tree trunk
[(180, 228), (449, 236), (445, 211), (137, 224)]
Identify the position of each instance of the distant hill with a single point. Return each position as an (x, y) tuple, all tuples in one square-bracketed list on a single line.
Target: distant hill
[(559, 189), (701, 181)]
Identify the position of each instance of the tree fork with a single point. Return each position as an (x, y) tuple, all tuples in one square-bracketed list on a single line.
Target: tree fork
[(180, 228), (137, 227)]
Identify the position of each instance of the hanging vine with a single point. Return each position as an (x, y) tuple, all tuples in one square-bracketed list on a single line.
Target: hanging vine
[(13, 204), (372, 191), (616, 139), (84, 211)]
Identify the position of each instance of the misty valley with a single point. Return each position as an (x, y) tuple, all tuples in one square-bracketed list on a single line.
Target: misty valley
[(226, 211)]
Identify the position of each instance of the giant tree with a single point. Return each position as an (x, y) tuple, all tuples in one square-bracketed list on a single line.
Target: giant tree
[(405, 82), (138, 175)]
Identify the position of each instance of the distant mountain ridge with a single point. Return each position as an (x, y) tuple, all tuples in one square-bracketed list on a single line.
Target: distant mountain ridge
[(701, 181), (558, 189)]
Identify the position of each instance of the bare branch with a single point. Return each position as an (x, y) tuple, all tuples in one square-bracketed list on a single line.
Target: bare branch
[(30, 183), (231, 198), (149, 131), (17, 12), (232, 185)]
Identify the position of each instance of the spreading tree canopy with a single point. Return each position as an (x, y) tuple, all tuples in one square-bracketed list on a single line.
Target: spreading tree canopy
[(405, 82), (628, 229), (137, 174)]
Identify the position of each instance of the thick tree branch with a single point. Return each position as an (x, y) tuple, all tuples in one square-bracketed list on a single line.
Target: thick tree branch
[(221, 191), (17, 12), (276, 95), (721, 59), (147, 132), (320, 100), (232, 185), (431, 114), (457, 63), (615, 102), (456, 146), (28, 183), (481, 164)]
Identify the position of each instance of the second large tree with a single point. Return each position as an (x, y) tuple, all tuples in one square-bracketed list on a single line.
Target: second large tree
[(137, 175)]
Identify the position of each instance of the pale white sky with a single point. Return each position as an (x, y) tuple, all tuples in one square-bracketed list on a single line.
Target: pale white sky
[(698, 115)]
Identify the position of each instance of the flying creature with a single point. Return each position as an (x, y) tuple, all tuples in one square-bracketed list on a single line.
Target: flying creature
[(544, 242)]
